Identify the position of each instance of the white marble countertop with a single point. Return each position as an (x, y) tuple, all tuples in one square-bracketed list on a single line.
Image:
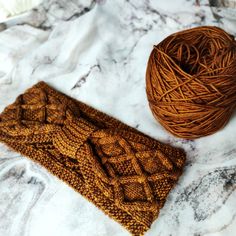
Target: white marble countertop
[(96, 52)]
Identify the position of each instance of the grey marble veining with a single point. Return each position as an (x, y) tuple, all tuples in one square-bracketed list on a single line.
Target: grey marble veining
[(96, 52)]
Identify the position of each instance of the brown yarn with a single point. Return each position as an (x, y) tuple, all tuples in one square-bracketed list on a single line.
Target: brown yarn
[(191, 81), (122, 171)]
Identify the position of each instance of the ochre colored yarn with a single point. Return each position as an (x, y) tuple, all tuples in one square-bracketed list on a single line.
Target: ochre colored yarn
[(122, 171), (191, 81)]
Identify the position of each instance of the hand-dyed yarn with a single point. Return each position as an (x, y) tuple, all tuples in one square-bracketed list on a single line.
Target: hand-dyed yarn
[(191, 81)]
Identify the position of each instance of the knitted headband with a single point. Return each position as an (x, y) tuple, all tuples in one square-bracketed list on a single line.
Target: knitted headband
[(123, 172)]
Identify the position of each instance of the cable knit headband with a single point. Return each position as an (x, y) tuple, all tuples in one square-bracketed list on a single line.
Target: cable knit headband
[(123, 172)]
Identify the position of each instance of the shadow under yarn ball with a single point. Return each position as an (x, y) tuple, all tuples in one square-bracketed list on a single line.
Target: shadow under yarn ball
[(191, 81)]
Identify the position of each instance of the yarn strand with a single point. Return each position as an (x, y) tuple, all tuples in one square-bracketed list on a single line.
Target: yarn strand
[(191, 81)]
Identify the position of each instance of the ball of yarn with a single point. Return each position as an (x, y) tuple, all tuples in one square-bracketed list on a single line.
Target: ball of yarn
[(191, 81)]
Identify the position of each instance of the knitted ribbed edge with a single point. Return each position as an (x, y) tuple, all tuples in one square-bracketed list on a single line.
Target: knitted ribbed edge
[(91, 178)]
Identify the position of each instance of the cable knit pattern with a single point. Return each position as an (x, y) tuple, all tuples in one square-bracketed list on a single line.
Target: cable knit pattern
[(122, 171)]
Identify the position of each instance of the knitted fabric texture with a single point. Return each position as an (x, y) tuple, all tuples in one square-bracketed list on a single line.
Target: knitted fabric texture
[(122, 171)]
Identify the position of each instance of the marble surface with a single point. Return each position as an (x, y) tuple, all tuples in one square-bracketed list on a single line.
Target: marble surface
[(96, 52)]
